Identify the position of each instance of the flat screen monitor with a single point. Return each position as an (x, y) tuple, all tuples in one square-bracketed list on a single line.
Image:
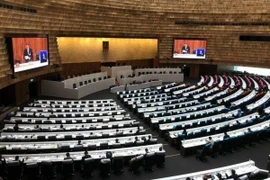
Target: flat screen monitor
[(189, 48), (28, 52)]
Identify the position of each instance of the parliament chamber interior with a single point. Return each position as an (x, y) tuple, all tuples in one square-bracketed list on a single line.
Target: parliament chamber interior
[(165, 90)]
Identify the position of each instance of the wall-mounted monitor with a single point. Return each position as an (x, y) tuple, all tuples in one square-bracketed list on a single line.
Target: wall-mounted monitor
[(189, 48), (27, 53)]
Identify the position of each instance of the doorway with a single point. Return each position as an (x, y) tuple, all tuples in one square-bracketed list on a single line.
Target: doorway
[(33, 90)]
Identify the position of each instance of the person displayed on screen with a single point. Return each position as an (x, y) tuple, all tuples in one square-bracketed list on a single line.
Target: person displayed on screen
[(185, 49), (28, 53)]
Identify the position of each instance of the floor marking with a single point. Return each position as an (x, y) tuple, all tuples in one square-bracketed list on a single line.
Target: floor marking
[(172, 155)]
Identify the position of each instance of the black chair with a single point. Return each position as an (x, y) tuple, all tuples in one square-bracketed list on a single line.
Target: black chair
[(3, 150), (204, 152), (81, 83), (48, 169), (149, 161), (160, 158), (68, 137), (136, 163), (118, 164), (92, 147), (52, 138), (41, 138), (88, 166), (105, 167), (78, 147), (104, 146), (2, 169), (14, 170), (64, 148), (32, 171), (74, 86), (67, 168)]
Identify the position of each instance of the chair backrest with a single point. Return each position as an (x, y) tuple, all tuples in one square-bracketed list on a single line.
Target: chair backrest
[(13, 163), (105, 161)]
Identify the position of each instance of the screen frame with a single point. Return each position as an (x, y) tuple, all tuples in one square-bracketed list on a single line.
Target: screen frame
[(192, 39), (8, 39)]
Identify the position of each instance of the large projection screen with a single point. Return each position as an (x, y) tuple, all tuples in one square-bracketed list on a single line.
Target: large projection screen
[(189, 48), (29, 53)]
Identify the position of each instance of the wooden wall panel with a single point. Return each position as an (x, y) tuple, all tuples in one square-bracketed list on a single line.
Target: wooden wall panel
[(143, 19)]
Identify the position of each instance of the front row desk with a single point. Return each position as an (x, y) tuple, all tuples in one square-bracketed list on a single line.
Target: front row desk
[(241, 169), (131, 87), (58, 89), (77, 156)]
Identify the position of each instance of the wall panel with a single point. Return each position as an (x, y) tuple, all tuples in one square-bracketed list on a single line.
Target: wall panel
[(91, 49)]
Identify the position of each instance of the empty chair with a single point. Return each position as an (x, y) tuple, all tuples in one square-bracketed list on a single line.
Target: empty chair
[(52, 138), (78, 147), (41, 138), (64, 148), (3, 149), (160, 158), (104, 146), (14, 170), (88, 166), (68, 137), (118, 164), (48, 169), (74, 86), (2, 168), (105, 167), (67, 168), (92, 147), (17, 150), (149, 161), (32, 171), (136, 163), (205, 151)]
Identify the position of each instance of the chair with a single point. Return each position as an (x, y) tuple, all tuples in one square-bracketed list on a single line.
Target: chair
[(48, 169), (88, 166), (3, 150), (32, 171), (68, 137), (205, 151), (68, 168), (52, 138), (14, 170), (64, 148), (41, 138), (118, 164), (74, 86), (78, 148), (2, 169), (105, 167), (136, 163), (104, 146), (149, 161), (160, 158), (92, 147)]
